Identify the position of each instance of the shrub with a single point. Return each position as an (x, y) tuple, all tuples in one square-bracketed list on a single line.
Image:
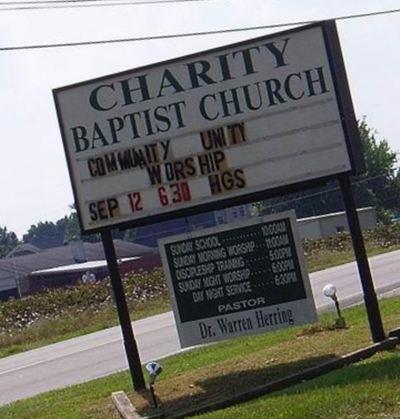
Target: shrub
[(57, 302)]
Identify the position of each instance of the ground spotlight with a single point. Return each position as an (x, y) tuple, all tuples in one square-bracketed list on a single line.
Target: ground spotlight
[(330, 291), (154, 369)]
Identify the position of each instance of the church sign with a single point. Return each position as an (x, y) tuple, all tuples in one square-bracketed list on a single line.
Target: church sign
[(238, 279), (216, 128)]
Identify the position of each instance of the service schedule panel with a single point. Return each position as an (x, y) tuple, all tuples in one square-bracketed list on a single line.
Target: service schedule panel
[(237, 279)]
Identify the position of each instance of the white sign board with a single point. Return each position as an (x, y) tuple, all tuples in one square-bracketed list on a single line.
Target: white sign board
[(237, 279), (218, 125)]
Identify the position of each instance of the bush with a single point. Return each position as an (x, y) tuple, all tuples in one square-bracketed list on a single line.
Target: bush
[(58, 302), (384, 236)]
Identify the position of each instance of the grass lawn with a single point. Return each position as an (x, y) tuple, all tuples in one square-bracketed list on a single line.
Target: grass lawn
[(329, 258), (218, 371), (369, 389)]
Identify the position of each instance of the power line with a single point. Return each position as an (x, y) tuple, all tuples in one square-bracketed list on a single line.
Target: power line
[(190, 34), (66, 4), (58, 2)]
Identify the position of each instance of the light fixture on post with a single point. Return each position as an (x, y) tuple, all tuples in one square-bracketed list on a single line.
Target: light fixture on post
[(330, 291), (154, 369)]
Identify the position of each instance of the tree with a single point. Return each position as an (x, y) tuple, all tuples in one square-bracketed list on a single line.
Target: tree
[(379, 186), (73, 231), (46, 234), (8, 240)]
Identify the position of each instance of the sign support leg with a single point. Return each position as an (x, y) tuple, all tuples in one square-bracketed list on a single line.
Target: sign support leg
[(370, 298), (131, 348)]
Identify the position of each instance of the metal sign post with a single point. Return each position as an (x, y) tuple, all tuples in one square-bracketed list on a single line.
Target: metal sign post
[(131, 348), (370, 298)]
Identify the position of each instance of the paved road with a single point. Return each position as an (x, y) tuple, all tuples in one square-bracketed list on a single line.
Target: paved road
[(101, 353)]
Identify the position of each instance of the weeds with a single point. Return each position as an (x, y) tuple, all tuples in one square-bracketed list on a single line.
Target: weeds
[(61, 311)]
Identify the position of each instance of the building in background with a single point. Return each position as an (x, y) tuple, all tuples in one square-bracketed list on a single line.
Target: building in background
[(322, 226), (149, 234), (64, 265)]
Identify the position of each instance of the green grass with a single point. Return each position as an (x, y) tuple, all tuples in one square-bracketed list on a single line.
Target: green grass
[(369, 389), (215, 372), (328, 259), (71, 402)]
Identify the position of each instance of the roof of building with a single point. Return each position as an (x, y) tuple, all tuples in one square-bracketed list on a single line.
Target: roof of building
[(63, 255), (332, 214), (23, 249), (78, 267)]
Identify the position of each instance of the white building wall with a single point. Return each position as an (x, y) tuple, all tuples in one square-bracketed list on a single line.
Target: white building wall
[(329, 224)]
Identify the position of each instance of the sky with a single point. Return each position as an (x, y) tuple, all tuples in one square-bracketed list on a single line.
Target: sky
[(35, 184)]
